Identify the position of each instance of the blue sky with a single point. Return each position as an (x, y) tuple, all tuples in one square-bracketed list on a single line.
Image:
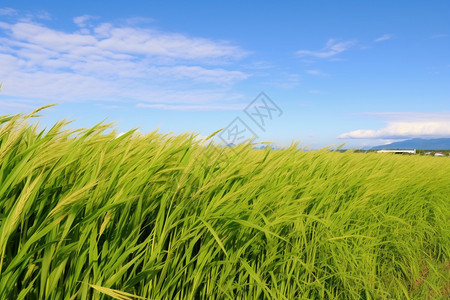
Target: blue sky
[(356, 72)]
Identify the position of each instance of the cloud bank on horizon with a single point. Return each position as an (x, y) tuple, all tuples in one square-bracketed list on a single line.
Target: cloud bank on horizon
[(406, 125)]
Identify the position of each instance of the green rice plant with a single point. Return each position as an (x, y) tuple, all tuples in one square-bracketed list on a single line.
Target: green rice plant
[(88, 214)]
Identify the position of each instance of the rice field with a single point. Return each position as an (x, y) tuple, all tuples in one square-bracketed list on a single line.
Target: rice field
[(86, 214)]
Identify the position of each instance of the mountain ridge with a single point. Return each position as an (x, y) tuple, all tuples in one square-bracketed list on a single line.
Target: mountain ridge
[(418, 143)]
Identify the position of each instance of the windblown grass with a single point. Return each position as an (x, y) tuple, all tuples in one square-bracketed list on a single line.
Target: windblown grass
[(87, 215)]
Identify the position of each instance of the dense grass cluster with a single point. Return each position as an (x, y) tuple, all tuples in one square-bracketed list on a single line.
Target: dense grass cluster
[(85, 214)]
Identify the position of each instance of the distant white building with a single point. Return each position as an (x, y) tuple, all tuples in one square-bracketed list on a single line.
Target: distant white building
[(439, 154), (398, 151)]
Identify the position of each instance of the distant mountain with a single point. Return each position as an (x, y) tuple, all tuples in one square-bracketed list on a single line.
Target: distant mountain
[(423, 144)]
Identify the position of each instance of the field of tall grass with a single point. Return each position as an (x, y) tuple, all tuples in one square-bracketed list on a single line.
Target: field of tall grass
[(85, 214)]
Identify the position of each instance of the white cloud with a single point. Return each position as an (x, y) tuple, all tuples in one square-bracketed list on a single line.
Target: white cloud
[(406, 125), (7, 11), (148, 42), (82, 21), (384, 37), (316, 72), (107, 62), (332, 48)]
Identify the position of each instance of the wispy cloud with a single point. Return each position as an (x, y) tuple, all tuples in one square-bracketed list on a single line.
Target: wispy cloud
[(110, 62), (439, 36), (410, 116), (284, 80), (120, 40), (15, 105), (316, 72), (7, 11), (406, 125), (332, 48), (83, 21), (202, 74), (384, 37), (192, 107)]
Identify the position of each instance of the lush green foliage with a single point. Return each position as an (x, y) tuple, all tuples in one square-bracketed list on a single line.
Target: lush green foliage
[(87, 215)]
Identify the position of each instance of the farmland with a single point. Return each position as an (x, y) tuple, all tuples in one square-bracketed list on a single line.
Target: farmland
[(86, 214)]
